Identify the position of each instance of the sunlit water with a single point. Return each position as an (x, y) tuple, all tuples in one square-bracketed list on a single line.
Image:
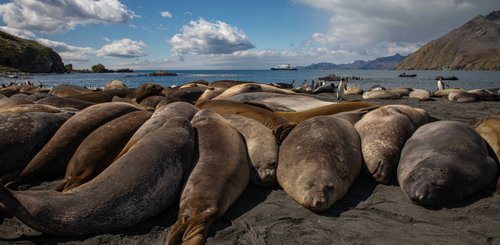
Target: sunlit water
[(387, 78)]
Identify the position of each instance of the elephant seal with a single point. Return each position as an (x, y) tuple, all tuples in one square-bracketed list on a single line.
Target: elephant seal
[(8, 103), (383, 133), (147, 89), (489, 128), (140, 185), (319, 161), (160, 117), (300, 116), (36, 108), (189, 94), (420, 94), (152, 101), (37, 96), (380, 94), (401, 91), (103, 96), (462, 97), (23, 135), (279, 125), (100, 148), (3, 96), (52, 159), (355, 115), (64, 102), (217, 180), (262, 148), (290, 103), (210, 93), (446, 92), (444, 162), (353, 90), (250, 88), (66, 90), (484, 95), (225, 84), (255, 96), (115, 84)]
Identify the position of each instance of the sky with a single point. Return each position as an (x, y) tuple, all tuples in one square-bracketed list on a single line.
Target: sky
[(229, 34)]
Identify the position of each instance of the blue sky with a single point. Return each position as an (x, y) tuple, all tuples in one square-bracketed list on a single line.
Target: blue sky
[(197, 34)]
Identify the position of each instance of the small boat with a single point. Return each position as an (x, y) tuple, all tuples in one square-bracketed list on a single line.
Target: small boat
[(407, 75), (286, 67), (446, 78)]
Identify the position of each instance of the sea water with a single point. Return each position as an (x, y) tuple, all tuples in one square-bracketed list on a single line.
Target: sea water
[(368, 78)]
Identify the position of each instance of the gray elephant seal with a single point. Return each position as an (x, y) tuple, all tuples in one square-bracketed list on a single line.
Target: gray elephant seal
[(52, 159), (444, 162), (262, 148), (217, 180), (64, 102), (160, 117), (138, 186), (319, 161), (100, 148), (383, 133), (23, 135)]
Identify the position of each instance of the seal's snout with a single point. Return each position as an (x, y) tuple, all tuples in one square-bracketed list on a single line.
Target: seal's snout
[(318, 202), (268, 175)]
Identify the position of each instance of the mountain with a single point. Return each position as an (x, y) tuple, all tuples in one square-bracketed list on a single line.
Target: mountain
[(27, 56), (384, 63), (473, 46)]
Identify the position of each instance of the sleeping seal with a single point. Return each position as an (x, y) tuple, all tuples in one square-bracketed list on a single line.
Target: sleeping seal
[(217, 180), (52, 159), (383, 133), (444, 162), (261, 146), (140, 185), (319, 161)]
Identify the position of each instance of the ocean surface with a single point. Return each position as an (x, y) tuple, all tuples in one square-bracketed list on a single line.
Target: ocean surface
[(368, 78)]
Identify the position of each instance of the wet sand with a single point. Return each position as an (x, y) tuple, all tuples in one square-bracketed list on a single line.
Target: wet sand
[(370, 213)]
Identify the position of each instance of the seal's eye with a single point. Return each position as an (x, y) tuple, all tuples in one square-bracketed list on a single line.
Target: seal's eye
[(330, 187), (309, 184)]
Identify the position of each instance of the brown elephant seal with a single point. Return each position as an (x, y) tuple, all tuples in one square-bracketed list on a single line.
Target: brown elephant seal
[(147, 89), (282, 102), (250, 88), (67, 90), (189, 94), (489, 128), (484, 95), (140, 185), (255, 96), (217, 180), (355, 115), (401, 91), (226, 83), (380, 94), (100, 148), (319, 161), (446, 92), (444, 162), (52, 159), (300, 116), (64, 102), (210, 93), (37, 96), (8, 103), (160, 117), (115, 84), (23, 135), (279, 125), (383, 133), (3, 96), (420, 94), (462, 97), (36, 108), (262, 148), (152, 101), (103, 96), (353, 90)]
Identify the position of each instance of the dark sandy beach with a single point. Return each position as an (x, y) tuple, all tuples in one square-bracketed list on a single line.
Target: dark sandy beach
[(370, 213)]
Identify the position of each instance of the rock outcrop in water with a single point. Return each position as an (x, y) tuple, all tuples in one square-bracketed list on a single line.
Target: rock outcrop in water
[(473, 46), (27, 56)]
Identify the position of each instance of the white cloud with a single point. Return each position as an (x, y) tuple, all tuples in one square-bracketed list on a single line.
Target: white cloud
[(62, 15), (204, 37), (385, 27), (166, 14), (67, 52), (124, 48)]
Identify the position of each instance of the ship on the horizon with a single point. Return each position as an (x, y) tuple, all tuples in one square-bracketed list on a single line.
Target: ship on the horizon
[(286, 67)]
